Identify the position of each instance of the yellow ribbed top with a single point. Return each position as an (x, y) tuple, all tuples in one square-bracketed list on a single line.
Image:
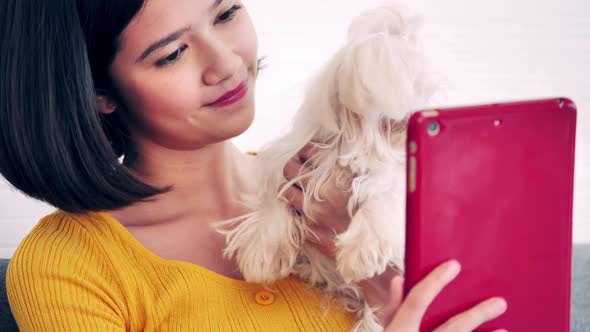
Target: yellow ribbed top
[(88, 273)]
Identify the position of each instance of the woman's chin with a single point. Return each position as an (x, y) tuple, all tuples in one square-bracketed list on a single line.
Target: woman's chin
[(240, 127), (232, 126)]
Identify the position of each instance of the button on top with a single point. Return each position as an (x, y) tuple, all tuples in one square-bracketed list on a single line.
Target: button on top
[(264, 297)]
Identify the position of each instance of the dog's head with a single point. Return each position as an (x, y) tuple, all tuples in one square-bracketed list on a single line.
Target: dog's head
[(375, 80)]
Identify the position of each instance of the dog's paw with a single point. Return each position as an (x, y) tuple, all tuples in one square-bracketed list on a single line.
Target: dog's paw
[(267, 244), (359, 262), (263, 267), (373, 241), (368, 321)]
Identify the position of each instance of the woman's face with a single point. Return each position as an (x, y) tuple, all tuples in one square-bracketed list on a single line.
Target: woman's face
[(176, 59)]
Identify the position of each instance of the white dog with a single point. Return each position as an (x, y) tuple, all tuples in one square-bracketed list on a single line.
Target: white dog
[(355, 112)]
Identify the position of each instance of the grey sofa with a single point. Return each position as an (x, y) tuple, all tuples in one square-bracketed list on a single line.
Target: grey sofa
[(580, 294)]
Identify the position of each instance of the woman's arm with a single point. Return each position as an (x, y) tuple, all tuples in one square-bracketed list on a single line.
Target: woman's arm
[(384, 291), (378, 293), (58, 281)]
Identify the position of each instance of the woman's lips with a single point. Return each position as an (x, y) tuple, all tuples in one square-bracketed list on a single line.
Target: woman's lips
[(232, 96)]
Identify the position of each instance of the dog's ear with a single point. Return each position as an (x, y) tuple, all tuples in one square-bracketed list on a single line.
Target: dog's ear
[(319, 103), (382, 69), (388, 18), (378, 75)]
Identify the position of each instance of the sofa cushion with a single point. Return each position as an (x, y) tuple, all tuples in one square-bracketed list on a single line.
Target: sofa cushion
[(580, 289), (7, 322)]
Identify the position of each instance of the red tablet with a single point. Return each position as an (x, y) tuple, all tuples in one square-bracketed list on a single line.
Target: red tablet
[(492, 186)]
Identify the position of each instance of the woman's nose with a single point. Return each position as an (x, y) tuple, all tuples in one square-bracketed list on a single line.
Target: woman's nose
[(221, 63)]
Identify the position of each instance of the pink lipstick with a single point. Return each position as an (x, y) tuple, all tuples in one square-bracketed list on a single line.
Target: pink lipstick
[(231, 97)]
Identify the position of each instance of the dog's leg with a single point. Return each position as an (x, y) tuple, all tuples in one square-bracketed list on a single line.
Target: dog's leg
[(316, 269), (320, 271), (368, 321), (374, 239), (266, 243)]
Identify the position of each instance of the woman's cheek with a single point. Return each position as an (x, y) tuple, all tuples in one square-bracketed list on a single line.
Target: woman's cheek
[(167, 109), (246, 40), (177, 94)]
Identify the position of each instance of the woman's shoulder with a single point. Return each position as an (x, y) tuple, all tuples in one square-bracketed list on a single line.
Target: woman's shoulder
[(59, 226), (60, 268), (60, 241)]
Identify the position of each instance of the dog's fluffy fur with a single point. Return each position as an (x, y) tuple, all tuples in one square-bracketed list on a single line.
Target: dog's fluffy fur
[(355, 111)]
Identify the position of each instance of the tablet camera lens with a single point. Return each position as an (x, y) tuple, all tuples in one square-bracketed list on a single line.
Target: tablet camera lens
[(433, 128)]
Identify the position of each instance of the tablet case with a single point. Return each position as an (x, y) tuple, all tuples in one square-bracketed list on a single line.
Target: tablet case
[(492, 186)]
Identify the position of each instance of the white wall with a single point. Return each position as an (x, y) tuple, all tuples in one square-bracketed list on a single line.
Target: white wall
[(486, 50)]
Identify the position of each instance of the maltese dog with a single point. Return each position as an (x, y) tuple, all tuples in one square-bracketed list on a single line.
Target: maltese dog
[(354, 112)]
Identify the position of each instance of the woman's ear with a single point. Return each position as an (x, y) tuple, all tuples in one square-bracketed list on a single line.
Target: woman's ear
[(106, 105)]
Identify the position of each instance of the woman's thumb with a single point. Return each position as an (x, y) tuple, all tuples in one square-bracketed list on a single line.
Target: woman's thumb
[(395, 294)]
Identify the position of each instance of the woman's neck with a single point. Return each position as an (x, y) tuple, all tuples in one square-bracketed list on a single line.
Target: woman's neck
[(206, 183)]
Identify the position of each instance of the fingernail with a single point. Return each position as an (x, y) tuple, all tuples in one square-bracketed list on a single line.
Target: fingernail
[(453, 268), (499, 304), (398, 280)]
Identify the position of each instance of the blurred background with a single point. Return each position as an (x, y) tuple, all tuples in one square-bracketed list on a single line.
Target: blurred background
[(482, 51)]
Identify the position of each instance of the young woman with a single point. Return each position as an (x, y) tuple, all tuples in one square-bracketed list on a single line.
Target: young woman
[(163, 86)]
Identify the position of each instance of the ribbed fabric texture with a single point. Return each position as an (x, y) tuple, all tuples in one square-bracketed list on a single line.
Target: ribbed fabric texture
[(88, 273)]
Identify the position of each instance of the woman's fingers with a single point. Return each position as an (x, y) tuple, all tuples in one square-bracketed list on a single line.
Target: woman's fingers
[(397, 291), (307, 152), (410, 313), (294, 169), (293, 196), (469, 320), (321, 236), (314, 241), (422, 295), (300, 163), (396, 296)]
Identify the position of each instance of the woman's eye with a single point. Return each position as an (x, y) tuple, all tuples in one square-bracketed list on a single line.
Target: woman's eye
[(172, 57), (228, 15)]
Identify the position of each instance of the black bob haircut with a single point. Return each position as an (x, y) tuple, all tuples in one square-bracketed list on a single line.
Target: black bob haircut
[(55, 145)]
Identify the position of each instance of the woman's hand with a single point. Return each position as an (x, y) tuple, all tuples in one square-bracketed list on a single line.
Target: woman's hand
[(329, 216), (407, 315)]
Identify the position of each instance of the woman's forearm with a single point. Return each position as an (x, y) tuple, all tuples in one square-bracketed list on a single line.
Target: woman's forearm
[(377, 290)]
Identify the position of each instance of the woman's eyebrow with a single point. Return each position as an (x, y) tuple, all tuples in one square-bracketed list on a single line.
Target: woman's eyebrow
[(171, 37), (215, 5), (162, 42)]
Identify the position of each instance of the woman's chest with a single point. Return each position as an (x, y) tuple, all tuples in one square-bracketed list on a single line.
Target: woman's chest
[(183, 242), (204, 301)]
